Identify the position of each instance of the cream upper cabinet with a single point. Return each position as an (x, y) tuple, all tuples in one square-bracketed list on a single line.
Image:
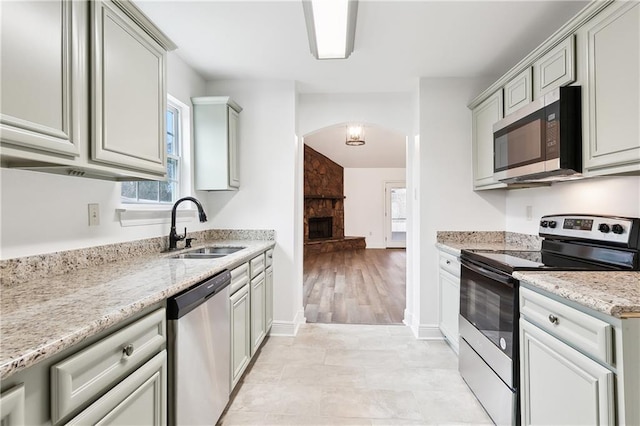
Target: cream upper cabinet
[(610, 56), (518, 92), (484, 116), (555, 69), (217, 143), (128, 108), (41, 79), (84, 93)]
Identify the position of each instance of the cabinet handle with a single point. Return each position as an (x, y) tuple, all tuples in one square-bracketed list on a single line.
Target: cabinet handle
[(553, 319), (448, 262), (128, 350)]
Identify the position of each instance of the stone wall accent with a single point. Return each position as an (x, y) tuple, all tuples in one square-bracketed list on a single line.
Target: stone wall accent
[(323, 191)]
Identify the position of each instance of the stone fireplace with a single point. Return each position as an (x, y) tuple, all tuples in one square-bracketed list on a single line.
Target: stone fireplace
[(324, 205)]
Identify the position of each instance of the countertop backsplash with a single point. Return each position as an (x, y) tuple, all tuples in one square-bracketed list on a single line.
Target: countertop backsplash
[(21, 269)]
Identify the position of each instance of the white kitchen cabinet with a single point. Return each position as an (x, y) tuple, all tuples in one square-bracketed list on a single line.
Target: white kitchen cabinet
[(484, 116), (12, 406), (42, 81), (449, 280), (560, 385), (518, 92), (268, 309), (79, 378), (258, 312), (555, 69), (610, 58), (128, 108), (240, 333), (140, 399), (84, 91), (217, 143)]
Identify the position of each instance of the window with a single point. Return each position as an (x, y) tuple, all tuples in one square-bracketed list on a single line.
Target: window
[(167, 192)]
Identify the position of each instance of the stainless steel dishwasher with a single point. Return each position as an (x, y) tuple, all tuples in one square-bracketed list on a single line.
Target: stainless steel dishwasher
[(199, 352)]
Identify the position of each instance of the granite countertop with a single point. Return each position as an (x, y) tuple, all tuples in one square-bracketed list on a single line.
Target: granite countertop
[(42, 317), (614, 293), (610, 292)]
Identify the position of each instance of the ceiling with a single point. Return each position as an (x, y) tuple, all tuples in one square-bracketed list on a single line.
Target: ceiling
[(383, 147), (396, 43)]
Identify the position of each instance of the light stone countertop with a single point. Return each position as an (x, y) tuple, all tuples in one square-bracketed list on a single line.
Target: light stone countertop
[(45, 316), (610, 292)]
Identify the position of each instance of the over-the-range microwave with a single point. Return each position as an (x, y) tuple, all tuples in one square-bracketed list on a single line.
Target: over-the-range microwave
[(541, 141)]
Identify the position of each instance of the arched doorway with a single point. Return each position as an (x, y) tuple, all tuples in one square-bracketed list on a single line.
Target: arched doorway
[(351, 273)]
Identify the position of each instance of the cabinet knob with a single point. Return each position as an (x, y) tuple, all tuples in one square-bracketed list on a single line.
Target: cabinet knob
[(448, 262), (128, 350), (553, 319)]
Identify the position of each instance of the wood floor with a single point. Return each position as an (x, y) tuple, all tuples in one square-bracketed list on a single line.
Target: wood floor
[(355, 286)]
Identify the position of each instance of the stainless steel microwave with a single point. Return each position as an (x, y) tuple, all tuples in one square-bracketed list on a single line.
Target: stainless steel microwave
[(541, 141)]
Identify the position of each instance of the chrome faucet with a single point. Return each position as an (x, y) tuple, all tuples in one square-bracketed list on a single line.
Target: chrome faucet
[(173, 235)]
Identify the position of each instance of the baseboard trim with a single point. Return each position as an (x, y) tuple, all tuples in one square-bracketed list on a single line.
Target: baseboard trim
[(429, 332), (288, 328)]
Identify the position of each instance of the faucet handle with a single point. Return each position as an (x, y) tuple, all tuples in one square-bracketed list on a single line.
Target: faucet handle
[(187, 242)]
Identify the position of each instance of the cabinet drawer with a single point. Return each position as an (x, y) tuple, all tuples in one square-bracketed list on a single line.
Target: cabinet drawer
[(92, 371), (450, 263), (257, 265), (580, 330), (239, 277), (269, 257)]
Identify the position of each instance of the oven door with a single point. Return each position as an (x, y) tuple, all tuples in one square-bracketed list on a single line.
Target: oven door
[(489, 302)]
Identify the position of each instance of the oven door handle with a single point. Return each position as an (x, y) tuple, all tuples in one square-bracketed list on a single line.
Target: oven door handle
[(501, 278)]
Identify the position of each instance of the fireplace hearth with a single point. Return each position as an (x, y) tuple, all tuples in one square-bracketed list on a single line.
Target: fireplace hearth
[(320, 228)]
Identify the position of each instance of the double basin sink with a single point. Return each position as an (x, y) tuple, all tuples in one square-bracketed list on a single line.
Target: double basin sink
[(207, 252)]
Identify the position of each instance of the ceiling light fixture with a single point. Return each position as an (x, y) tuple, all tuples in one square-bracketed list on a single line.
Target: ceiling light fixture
[(331, 27), (355, 135)]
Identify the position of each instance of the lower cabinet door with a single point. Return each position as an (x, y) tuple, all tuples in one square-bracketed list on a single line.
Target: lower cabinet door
[(140, 399), (258, 317), (12, 406), (269, 298), (561, 386), (449, 307), (240, 333)]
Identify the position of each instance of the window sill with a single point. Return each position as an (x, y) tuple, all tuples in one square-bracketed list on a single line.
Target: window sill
[(140, 215)]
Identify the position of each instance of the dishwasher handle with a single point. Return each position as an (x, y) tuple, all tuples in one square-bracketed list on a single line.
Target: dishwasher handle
[(183, 303)]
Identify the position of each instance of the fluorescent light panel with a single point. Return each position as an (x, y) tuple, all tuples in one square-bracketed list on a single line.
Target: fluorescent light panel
[(330, 27)]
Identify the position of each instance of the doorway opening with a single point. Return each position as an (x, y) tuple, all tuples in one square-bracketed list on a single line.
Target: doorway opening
[(354, 268)]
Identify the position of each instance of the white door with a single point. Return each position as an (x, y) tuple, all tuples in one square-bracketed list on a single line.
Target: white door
[(395, 216)]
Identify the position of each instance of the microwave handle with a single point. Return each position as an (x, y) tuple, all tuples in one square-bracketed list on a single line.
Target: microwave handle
[(502, 279)]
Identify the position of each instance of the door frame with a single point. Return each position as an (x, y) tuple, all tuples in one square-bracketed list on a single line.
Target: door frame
[(388, 185)]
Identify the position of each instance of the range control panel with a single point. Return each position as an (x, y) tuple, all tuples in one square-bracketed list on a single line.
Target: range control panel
[(619, 231)]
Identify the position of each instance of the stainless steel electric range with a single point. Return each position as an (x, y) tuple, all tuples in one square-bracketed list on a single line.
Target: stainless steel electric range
[(489, 361)]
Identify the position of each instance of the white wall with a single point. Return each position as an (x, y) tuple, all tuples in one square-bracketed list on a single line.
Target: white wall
[(445, 194), (617, 196), (267, 182), (364, 206), (44, 213)]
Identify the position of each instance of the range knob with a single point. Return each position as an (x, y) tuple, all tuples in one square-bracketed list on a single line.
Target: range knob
[(604, 228), (617, 229), (544, 223), (552, 224)]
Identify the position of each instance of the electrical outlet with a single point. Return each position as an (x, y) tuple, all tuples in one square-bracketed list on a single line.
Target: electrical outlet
[(529, 211), (94, 214)]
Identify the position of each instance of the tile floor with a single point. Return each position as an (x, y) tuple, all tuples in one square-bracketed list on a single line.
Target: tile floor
[(336, 374)]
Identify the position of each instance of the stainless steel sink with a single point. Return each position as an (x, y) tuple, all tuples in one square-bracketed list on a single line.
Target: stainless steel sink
[(210, 252), (215, 250)]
